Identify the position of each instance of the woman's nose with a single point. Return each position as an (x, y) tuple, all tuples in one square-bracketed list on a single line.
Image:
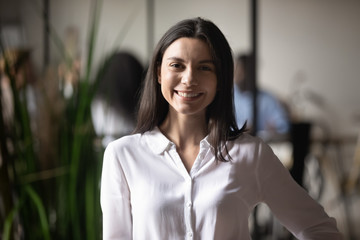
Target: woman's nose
[(189, 78)]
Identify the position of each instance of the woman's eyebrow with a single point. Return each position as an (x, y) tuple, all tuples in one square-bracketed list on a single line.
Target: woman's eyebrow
[(182, 60), (176, 59)]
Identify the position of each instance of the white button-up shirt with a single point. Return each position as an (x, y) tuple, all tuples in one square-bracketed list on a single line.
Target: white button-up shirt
[(147, 193)]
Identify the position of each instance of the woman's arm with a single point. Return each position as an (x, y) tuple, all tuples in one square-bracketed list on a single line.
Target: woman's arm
[(115, 198), (289, 202)]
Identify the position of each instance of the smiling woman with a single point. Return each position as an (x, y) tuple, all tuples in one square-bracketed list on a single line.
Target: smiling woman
[(188, 171)]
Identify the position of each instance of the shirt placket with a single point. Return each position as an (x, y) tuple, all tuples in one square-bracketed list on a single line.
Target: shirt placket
[(189, 198), (188, 207), (188, 183)]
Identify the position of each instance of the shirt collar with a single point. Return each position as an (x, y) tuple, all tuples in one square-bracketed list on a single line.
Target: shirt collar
[(159, 143)]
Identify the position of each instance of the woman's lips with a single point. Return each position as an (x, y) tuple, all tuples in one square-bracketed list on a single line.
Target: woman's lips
[(188, 94)]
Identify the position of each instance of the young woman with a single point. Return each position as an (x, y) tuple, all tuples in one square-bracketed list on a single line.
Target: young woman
[(188, 172)]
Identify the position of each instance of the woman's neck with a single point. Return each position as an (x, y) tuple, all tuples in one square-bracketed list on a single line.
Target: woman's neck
[(184, 130)]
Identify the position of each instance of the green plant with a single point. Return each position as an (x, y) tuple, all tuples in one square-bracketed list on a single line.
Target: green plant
[(22, 159), (60, 201)]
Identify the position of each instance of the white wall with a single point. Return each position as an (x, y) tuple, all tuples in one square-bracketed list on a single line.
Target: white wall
[(316, 43), (231, 16), (312, 45)]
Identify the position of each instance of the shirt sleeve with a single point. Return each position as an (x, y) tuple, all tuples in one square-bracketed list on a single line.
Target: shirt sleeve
[(289, 202), (115, 198)]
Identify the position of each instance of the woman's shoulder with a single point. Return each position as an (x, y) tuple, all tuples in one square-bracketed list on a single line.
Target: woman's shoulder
[(247, 144), (127, 141), (247, 139), (152, 139), (251, 151)]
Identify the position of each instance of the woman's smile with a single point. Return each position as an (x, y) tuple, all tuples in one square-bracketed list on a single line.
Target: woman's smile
[(188, 95)]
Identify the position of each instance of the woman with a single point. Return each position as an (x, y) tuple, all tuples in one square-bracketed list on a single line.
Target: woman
[(188, 172)]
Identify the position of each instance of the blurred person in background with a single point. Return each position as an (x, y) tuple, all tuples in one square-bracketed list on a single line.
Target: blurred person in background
[(114, 106), (272, 116)]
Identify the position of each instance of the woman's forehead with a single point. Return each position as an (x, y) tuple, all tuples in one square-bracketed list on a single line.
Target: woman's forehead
[(188, 48)]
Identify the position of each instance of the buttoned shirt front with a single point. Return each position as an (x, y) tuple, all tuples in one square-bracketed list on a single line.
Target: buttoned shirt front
[(147, 193)]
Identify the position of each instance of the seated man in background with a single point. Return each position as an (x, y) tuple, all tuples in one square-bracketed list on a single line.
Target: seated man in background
[(272, 118)]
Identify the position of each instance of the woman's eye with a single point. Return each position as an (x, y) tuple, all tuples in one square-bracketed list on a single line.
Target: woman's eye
[(206, 68), (175, 65)]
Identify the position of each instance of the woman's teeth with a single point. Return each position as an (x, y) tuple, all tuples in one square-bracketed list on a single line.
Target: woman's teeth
[(188, 95)]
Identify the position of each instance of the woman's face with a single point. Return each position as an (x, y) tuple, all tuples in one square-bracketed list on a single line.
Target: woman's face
[(188, 76)]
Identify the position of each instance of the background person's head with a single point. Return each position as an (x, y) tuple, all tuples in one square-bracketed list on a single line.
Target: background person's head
[(242, 78), (121, 83)]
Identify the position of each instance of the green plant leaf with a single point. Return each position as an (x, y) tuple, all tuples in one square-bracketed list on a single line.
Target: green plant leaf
[(41, 211)]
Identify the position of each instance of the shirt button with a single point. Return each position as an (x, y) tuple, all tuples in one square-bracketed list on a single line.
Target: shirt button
[(188, 204), (190, 234)]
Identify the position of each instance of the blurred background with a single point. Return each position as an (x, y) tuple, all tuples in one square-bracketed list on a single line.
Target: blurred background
[(60, 61)]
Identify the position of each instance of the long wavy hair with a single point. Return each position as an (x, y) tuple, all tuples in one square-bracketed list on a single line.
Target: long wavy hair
[(153, 107)]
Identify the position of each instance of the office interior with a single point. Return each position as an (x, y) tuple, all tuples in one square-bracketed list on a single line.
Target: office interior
[(307, 52)]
